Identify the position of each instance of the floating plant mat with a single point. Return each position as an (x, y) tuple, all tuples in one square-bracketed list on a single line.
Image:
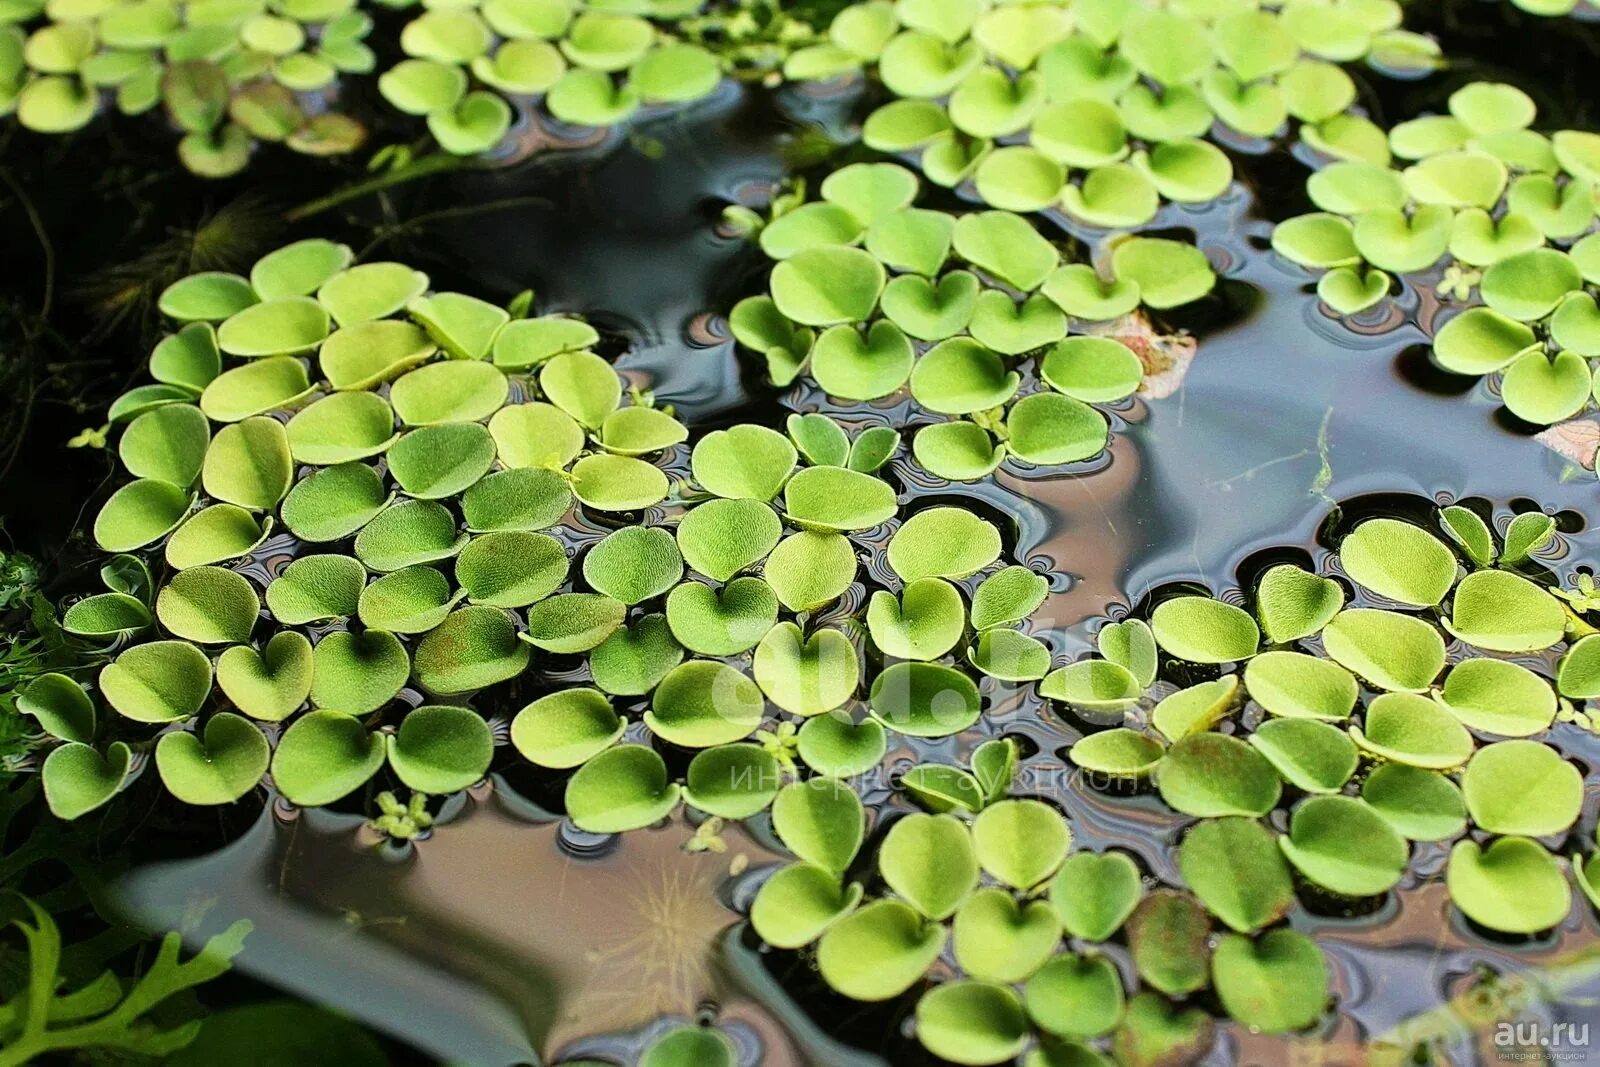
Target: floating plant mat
[(225, 77), (711, 640), (402, 526), (860, 302), (424, 452), (1510, 212)]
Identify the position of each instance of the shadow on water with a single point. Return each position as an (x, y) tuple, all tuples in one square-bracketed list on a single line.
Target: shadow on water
[(499, 940)]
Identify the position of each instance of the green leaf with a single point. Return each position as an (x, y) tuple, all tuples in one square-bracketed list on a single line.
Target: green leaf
[(623, 788), (1213, 775), (799, 903), (1297, 685), (998, 940), (1203, 630), (633, 564), (1421, 805), (879, 951), (1274, 984), (566, 728), (732, 781), (1498, 697), (1195, 709), (77, 779), (218, 769), (700, 704), (473, 648), (274, 327), (924, 699), (634, 659), (1094, 893), (1167, 936), (1505, 612), (208, 605), (1292, 603), (821, 821), (722, 622), (440, 748), (806, 676), (745, 462), (1235, 870), (316, 588), (1344, 846), (269, 685), (573, 622), (1513, 886), (1522, 787), (1311, 756), (832, 745), (323, 756), (972, 1022), (1391, 651), (1075, 996), (358, 672), (61, 707)]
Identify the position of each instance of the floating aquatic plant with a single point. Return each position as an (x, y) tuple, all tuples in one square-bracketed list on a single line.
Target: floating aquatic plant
[(1371, 738), (1479, 189), (449, 569), (226, 76), (860, 300), (589, 64), (1024, 99)]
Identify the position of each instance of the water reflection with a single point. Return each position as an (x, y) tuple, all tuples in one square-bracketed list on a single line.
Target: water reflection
[(491, 941)]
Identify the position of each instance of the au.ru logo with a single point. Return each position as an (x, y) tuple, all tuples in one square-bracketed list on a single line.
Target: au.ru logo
[(1536, 1042)]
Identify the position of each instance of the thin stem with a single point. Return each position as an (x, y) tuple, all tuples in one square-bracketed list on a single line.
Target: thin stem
[(438, 163)]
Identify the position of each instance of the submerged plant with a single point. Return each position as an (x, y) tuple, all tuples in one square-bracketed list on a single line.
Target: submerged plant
[(45, 1019), (225, 76)]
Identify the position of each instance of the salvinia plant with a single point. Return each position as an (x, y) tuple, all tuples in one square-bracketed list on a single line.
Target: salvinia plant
[(1335, 733), (354, 506), (587, 64), (1119, 96), (870, 295), (225, 75), (1508, 211)]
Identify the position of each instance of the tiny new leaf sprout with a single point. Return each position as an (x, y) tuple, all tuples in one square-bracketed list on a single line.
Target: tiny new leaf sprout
[(861, 302), (1506, 208), (224, 80)]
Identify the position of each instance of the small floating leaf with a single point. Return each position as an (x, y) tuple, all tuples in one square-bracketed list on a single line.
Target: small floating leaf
[(1522, 787), (1513, 886), (1275, 984), (1212, 775), (1390, 650), (1094, 893), (219, 769), (1203, 630), (323, 756), (622, 788), (1236, 870)]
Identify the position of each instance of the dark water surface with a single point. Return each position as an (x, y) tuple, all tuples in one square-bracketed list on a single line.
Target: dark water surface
[(506, 937)]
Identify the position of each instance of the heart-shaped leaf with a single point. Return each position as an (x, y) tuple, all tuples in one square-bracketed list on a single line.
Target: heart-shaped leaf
[(219, 769)]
